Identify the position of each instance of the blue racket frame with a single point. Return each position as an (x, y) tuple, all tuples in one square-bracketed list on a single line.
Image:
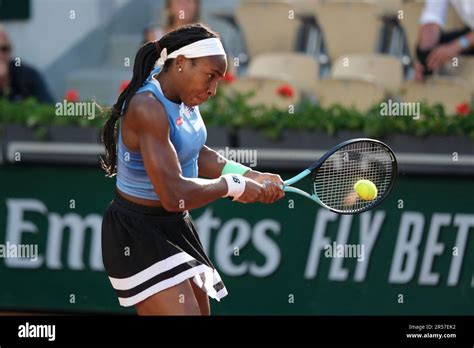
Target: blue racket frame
[(315, 166)]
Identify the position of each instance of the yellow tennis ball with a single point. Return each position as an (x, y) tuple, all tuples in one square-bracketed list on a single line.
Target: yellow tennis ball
[(366, 190)]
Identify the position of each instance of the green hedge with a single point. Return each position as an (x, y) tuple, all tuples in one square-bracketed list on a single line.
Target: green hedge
[(39, 116), (234, 112), (31, 113)]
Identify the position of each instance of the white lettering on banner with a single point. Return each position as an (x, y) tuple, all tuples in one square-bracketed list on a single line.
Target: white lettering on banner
[(407, 247), (243, 234), (464, 223), (267, 247), (319, 242), (336, 271), (432, 249), (17, 226), (225, 246), (237, 234), (369, 231), (204, 226), (77, 225)]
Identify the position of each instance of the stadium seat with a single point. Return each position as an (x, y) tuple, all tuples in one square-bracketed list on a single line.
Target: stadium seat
[(280, 34), (305, 7), (361, 94), (410, 23), (266, 91), (384, 69), (447, 91), (349, 27), (463, 70), (388, 8), (300, 69)]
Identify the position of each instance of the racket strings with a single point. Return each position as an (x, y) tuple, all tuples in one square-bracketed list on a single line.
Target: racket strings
[(334, 181)]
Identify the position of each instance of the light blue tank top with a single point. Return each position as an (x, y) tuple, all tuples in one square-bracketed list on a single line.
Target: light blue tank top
[(187, 134)]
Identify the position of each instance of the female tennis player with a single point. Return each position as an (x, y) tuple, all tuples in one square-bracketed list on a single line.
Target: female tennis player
[(151, 251)]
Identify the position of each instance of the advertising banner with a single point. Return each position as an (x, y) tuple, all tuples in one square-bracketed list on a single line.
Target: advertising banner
[(413, 255)]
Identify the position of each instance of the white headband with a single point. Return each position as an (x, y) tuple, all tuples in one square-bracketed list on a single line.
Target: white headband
[(201, 48)]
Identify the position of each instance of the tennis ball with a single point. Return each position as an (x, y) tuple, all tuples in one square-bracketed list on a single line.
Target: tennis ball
[(365, 189)]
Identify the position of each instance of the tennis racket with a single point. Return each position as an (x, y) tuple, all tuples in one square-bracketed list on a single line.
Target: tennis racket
[(335, 174)]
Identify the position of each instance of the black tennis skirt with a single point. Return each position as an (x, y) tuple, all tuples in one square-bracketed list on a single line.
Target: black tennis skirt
[(148, 249)]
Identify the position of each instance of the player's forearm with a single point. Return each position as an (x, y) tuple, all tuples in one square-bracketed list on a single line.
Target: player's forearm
[(210, 163), (193, 193), (252, 174)]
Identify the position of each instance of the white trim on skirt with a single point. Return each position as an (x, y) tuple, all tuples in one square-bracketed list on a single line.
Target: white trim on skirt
[(203, 276)]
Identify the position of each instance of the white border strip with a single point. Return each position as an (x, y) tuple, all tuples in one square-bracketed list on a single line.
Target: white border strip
[(262, 153), (402, 157), (33, 147)]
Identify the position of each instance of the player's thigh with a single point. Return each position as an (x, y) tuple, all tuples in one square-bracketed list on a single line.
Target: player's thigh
[(202, 299), (177, 300)]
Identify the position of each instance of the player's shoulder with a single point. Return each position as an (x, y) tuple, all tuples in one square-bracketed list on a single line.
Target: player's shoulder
[(147, 112), (146, 105), (146, 108)]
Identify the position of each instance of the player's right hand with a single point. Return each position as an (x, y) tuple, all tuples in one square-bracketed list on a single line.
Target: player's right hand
[(253, 192)]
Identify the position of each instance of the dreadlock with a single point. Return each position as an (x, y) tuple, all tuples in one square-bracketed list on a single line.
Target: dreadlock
[(145, 61)]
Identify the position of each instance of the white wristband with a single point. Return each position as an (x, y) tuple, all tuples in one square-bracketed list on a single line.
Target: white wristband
[(235, 185)]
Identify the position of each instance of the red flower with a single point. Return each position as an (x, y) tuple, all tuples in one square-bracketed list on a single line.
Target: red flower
[(285, 91), (124, 84), (228, 78), (463, 109), (71, 95)]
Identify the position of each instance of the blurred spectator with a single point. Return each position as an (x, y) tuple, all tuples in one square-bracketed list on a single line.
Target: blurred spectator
[(178, 13), (436, 47), (19, 81)]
